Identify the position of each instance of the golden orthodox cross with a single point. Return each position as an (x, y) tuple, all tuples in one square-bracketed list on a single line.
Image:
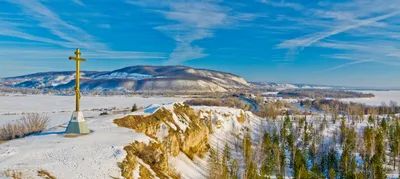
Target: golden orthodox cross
[(78, 59)]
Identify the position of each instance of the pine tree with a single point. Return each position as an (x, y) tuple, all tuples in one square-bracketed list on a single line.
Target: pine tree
[(368, 150), (275, 137), (313, 151), (351, 136), (348, 166), (394, 142), (332, 161), (227, 152), (247, 151), (267, 143), (323, 164), (265, 171), (299, 163), (371, 119), (276, 154), (251, 171), (342, 131), (134, 108), (290, 143), (384, 125), (225, 169), (332, 173), (353, 168), (268, 164), (306, 135), (213, 164), (360, 175), (282, 160), (344, 162), (316, 174), (234, 169), (379, 157)]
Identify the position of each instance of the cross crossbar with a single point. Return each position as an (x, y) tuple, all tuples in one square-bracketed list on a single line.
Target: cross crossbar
[(80, 59)]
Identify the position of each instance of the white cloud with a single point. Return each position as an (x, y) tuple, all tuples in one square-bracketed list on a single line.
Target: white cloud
[(345, 65), (310, 39), (183, 52), (67, 37), (190, 21), (283, 4), (53, 23), (105, 26), (79, 2), (356, 29), (56, 54)]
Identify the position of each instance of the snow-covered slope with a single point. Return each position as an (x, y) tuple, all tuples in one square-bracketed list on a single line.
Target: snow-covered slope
[(135, 78)]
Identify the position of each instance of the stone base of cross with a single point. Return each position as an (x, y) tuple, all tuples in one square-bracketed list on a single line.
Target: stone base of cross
[(77, 124)]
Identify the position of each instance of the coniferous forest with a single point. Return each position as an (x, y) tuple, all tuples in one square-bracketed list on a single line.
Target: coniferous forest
[(337, 140)]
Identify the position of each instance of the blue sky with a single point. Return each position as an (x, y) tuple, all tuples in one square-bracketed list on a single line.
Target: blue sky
[(342, 42)]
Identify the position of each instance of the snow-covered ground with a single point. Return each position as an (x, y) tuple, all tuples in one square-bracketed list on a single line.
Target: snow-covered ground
[(380, 96), (90, 156), (96, 155), (59, 108), (49, 103)]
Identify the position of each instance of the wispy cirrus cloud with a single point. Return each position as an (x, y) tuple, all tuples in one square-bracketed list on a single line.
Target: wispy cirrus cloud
[(380, 51), (105, 26), (79, 2), (66, 35), (356, 29), (52, 22), (345, 65), (307, 40), (283, 4), (190, 21), (51, 53)]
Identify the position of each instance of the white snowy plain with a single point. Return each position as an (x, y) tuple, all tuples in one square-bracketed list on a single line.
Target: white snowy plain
[(61, 107)]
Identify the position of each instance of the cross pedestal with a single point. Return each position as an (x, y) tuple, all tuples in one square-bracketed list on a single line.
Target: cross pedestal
[(77, 124)]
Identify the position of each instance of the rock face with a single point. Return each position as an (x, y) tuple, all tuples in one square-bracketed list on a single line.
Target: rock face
[(134, 78), (175, 130), (182, 130)]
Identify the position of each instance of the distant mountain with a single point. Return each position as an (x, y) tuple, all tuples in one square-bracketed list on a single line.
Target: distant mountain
[(134, 78), (286, 86)]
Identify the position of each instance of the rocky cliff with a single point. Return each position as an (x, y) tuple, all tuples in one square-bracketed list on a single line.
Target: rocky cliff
[(175, 130)]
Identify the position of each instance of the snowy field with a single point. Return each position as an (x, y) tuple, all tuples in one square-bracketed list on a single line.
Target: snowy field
[(380, 96), (48, 103), (59, 108), (90, 156)]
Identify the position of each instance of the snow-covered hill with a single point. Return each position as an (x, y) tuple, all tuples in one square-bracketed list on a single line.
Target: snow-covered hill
[(286, 86), (135, 78)]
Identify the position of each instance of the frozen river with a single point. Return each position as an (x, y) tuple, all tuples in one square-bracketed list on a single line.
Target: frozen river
[(380, 96)]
